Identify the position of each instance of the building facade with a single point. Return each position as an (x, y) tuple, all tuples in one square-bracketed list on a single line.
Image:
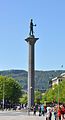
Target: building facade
[(57, 80)]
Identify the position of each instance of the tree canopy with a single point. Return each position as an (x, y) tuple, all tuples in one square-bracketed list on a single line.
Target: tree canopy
[(24, 99), (12, 90), (56, 93), (38, 97)]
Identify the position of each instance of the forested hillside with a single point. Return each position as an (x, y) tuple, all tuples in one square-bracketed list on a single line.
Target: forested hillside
[(41, 77)]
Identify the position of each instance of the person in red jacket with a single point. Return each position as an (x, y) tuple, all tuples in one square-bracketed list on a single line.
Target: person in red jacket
[(62, 111), (59, 113)]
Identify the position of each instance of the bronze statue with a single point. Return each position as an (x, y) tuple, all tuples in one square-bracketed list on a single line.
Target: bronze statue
[(31, 27)]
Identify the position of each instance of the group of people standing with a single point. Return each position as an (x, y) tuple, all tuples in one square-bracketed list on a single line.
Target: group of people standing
[(42, 109), (59, 112)]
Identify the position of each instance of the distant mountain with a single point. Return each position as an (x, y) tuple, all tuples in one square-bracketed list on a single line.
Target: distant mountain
[(41, 77)]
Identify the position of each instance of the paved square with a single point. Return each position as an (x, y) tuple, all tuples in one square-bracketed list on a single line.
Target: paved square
[(14, 115)]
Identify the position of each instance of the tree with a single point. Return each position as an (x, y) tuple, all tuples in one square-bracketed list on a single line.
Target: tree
[(44, 98), (23, 99), (38, 97), (12, 89), (1, 87), (57, 92), (62, 91)]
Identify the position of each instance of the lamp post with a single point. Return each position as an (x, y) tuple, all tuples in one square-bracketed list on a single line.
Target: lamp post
[(58, 94), (3, 92), (53, 90)]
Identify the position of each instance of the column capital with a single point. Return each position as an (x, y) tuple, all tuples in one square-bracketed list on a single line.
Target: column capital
[(31, 40)]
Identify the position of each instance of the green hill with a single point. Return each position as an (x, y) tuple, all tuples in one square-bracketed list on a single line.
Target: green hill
[(41, 77)]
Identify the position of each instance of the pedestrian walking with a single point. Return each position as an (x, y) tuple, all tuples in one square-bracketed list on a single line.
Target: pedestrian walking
[(50, 114), (59, 113), (55, 112), (34, 110), (40, 110), (62, 111)]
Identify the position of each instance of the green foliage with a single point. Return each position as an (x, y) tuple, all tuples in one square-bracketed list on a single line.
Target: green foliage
[(1, 87), (12, 89), (44, 98), (38, 96), (24, 99), (62, 91), (56, 93)]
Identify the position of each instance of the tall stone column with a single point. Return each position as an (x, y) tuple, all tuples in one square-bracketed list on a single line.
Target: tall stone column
[(31, 42)]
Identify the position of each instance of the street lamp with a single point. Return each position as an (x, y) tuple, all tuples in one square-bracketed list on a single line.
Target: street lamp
[(3, 92), (58, 94), (53, 90)]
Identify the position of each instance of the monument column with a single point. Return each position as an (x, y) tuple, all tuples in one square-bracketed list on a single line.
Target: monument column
[(31, 42)]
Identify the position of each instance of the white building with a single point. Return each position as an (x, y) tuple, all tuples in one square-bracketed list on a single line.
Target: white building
[(57, 80)]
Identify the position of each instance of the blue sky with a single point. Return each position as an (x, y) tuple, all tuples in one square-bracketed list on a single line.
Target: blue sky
[(49, 15)]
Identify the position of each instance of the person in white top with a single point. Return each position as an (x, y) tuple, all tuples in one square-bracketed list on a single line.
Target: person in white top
[(49, 114)]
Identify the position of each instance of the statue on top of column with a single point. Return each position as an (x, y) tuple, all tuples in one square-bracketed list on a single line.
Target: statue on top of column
[(31, 28)]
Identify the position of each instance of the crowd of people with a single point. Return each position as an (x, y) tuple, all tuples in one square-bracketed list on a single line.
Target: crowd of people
[(42, 110), (57, 110)]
